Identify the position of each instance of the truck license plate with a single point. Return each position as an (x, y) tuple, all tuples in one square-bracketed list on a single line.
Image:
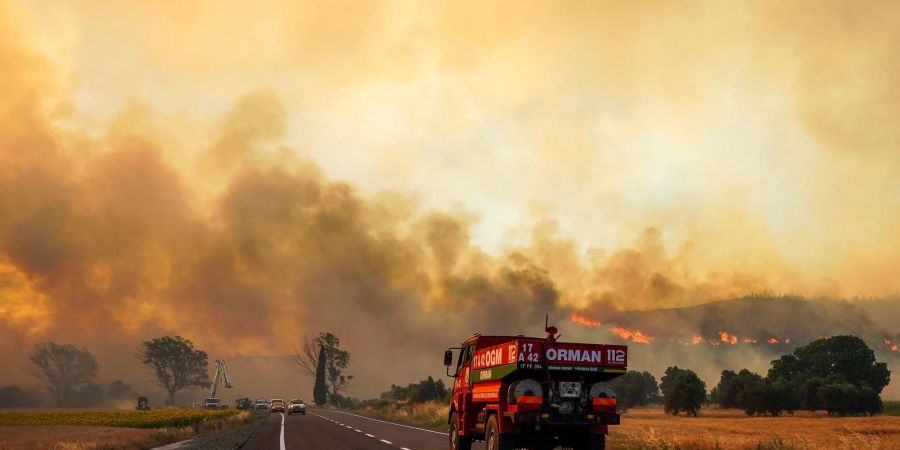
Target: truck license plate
[(570, 389)]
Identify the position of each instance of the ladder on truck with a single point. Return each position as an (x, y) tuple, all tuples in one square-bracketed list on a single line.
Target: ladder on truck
[(221, 375)]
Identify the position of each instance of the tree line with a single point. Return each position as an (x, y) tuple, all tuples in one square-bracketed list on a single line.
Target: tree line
[(70, 376), (69, 373), (838, 374)]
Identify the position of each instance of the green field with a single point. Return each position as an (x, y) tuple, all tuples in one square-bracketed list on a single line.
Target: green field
[(892, 407), (160, 418)]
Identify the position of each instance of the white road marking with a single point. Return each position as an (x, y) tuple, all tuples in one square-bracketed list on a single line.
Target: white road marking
[(282, 431), (357, 429), (391, 423)]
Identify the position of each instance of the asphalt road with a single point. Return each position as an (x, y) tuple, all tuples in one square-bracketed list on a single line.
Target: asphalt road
[(327, 429)]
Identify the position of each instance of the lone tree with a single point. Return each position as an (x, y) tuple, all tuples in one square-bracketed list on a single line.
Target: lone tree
[(64, 369), (320, 391), (337, 360), (176, 364), (682, 390)]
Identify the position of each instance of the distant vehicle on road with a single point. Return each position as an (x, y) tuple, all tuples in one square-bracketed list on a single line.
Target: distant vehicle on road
[(276, 405), (243, 403), (262, 403), (296, 406)]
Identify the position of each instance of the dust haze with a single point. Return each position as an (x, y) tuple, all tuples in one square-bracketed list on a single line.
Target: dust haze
[(407, 174)]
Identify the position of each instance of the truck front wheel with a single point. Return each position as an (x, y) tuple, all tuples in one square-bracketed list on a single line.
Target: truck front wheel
[(458, 442), (493, 440)]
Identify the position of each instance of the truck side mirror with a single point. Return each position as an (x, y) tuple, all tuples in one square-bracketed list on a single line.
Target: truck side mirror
[(448, 357)]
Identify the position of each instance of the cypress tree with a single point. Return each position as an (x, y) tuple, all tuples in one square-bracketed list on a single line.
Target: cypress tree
[(319, 390)]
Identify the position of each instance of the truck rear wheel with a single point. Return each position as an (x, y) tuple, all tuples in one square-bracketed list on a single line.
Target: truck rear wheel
[(458, 442), (493, 440)]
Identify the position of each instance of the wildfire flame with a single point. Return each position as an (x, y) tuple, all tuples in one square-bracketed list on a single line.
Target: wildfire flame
[(725, 337), (635, 336), (582, 320), (728, 338)]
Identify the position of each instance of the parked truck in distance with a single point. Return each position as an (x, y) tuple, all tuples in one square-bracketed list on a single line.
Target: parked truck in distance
[(212, 402), (524, 392)]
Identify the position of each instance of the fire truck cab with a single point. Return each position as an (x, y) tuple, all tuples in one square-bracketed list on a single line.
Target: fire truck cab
[(524, 392)]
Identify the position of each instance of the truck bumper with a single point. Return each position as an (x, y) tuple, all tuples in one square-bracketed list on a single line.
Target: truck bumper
[(542, 418)]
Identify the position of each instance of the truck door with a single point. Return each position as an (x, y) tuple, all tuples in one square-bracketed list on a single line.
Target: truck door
[(462, 387)]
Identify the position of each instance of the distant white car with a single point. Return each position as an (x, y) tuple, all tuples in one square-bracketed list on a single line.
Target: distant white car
[(261, 403), (296, 406)]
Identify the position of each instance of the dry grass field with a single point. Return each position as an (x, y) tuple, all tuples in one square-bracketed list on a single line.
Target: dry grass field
[(157, 418), (111, 430), (651, 429), (715, 429), (83, 438), (431, 414)]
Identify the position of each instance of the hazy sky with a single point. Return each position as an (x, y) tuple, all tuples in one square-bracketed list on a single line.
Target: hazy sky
[(644, 153), (759, 133)]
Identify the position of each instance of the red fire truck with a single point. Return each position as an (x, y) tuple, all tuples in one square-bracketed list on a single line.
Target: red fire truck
[(537, 393)]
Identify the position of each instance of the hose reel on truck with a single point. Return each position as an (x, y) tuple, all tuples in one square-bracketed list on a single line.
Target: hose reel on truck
[(527, 387), (602, 389)]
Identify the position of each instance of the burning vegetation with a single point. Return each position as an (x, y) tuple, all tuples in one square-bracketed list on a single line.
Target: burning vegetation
[(753, 339)]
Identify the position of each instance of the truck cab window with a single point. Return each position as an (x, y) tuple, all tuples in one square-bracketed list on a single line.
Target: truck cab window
[(464, 357)]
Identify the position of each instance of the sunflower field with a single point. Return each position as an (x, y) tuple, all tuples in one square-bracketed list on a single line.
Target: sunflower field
[(159, 418)]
